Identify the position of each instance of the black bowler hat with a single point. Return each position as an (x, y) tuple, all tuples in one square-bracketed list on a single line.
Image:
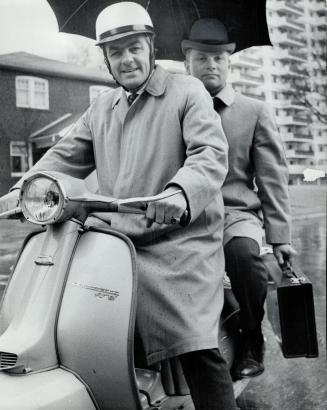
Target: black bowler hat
[(208, 35)]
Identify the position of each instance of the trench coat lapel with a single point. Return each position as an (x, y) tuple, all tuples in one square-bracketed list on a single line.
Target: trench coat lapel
[(226, 95), (120, 105), (158, 81)]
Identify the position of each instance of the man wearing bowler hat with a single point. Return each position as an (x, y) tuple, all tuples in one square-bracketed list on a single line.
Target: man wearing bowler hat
[(255, 191)]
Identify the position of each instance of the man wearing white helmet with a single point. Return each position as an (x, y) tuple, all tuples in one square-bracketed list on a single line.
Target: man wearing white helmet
[(158, 132), (119, 22)]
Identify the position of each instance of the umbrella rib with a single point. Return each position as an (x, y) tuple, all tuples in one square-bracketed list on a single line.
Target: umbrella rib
[(196, 8), (76, 11)]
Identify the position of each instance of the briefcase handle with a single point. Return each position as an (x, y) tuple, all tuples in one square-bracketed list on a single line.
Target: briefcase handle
[(288, 272), (287, 269)]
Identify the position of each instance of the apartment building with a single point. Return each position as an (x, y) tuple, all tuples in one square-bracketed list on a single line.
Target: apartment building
[(297, 61)]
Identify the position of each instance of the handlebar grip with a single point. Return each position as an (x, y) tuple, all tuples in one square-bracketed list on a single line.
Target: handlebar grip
[(183, 220)]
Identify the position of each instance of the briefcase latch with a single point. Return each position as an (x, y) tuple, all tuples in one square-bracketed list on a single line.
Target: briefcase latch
[(301, 279)]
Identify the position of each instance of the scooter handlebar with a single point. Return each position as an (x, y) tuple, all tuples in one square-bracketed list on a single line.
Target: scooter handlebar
[(99, 203), (136, 205)]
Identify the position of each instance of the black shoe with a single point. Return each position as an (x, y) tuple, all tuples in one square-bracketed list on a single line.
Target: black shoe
[(250, 363)]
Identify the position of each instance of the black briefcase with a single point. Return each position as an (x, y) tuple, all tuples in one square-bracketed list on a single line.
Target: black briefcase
[(296, 314)]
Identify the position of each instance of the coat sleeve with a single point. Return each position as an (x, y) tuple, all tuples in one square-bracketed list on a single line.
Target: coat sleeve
[(73, 155), (205, 167), (271, 174)]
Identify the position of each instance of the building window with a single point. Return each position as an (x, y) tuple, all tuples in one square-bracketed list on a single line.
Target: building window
[(18, 158), (96, 90), (32, 92)]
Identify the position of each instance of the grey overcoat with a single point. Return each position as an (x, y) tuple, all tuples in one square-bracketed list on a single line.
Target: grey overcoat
[(256, 157), (170, 134)]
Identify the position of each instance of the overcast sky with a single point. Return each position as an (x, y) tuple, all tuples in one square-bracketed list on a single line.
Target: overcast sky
[(31, 26)]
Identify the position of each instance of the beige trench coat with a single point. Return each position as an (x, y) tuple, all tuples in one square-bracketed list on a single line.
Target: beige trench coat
[(170, 134)]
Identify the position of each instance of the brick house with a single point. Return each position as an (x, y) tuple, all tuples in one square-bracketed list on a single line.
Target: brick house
[(40, 98)]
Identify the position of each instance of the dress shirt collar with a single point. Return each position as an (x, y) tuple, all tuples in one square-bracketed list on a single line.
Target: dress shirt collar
[(156, 84), (226, 95)]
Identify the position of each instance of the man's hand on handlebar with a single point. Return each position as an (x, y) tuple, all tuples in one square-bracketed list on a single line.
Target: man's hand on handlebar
[(168, 210)]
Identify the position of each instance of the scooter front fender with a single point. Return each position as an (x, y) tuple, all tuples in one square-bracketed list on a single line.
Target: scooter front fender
[(50, 390)]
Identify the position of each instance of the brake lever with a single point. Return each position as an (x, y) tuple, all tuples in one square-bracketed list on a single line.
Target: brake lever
[(139, 205)]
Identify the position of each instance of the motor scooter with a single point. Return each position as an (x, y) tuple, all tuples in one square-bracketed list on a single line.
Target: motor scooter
[(68, 313)]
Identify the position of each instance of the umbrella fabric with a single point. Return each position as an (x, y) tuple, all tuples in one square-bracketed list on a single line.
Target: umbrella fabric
[(245, 20)]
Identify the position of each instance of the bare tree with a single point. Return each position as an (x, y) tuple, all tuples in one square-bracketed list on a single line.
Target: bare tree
[(307, 85), (87, 55)]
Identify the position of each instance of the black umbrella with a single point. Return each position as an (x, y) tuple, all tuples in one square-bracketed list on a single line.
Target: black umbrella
[(245, 20)]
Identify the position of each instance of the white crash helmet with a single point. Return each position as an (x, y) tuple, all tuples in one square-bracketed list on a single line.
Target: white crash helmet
[(121, 20)]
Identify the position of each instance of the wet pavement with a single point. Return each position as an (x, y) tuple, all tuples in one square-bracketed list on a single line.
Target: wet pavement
[(296, 384), (286, 384)]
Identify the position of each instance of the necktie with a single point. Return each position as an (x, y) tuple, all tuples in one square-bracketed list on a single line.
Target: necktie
[(217, 104), (131, 98)]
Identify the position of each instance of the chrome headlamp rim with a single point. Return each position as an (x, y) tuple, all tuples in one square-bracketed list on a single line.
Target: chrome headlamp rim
[(62, 204)]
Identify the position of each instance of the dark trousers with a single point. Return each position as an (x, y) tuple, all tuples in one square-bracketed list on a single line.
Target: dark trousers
[(209, 380), (249, 280)]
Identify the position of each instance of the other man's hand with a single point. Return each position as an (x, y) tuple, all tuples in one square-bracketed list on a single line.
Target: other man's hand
[(283, 252), (9, 201), (167, 210)]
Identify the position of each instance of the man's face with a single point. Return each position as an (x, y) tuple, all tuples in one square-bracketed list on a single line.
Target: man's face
[(211, 68), (129, 59)]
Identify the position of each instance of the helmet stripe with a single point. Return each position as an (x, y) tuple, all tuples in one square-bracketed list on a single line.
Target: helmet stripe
[(124, 29)]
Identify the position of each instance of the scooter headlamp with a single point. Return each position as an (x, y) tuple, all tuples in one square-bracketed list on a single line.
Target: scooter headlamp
[(42, 199)]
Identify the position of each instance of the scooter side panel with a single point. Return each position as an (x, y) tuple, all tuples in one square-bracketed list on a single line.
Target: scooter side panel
[(52, 390), (39, 277), (96, 320)]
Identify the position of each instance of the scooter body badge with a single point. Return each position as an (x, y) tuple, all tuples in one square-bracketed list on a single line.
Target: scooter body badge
[(44, 260), (100, 293)]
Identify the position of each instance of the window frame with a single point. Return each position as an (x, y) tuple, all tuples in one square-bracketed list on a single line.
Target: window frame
[(31, 92), (22, 144)]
